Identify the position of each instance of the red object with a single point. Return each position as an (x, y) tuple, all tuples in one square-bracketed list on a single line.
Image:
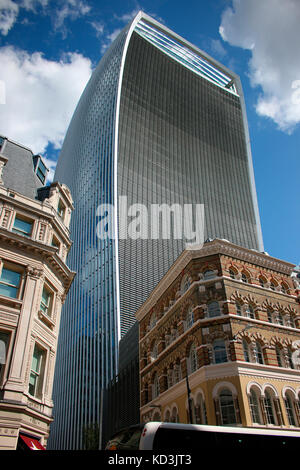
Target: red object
[(32, 443)]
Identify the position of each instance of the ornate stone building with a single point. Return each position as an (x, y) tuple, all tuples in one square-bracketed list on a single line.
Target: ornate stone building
[(227, 318), (34, 281)]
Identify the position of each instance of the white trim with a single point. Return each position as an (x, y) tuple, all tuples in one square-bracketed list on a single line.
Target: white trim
[(116, 136)]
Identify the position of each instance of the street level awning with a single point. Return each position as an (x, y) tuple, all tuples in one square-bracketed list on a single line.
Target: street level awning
[(32, 443)]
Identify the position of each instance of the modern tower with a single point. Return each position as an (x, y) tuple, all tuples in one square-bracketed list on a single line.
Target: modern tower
[(160, 122)]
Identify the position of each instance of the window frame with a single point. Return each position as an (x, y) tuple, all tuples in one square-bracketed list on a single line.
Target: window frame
[(38, 374), (17, 269), (22, 218)]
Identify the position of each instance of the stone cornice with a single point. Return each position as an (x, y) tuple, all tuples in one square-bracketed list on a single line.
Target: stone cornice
[(41, 209), (217, 246), (46, 252)]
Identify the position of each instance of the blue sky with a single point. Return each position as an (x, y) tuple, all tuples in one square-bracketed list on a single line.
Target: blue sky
[(48, 49)]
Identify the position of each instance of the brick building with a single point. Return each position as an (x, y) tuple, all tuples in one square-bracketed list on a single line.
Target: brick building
[(228, 318)]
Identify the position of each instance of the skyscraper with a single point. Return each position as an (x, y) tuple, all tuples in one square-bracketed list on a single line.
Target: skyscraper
[(160, 122)]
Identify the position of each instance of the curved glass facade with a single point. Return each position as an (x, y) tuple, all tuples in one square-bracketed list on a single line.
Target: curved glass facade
[(158, 123)]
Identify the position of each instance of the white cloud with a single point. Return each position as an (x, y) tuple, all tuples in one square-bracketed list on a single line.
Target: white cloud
[(41, 96), (270, 30), (8, 13), (71, 9), (98, 27)]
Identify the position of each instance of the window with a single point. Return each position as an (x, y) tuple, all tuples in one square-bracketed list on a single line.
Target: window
[(36, 373), (189, 319), (279, 356), (208, 274), (61, 209), (246, 350), (10, 283), (152, 321), (272, 285), (249, 310), (1, 142), (280, 318), (4, 341), (254, 408), (270, 315), (232, 274), (262, 282), (155, 386), (219, 349), (47, 301), (290, 358), (185, 284), (290, 410), (213, 309), (193, 360), (244, 278), (22, 226), (238, 307), (41, 171), (55, 242), (269, 408), (291, 321), (227, 407), (259, 357), (154, 352), (177, 374)]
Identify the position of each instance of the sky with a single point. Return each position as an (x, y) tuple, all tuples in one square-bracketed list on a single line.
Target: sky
[(49, 48)]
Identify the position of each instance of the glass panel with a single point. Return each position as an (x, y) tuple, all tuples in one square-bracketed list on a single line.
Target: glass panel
[(22, 226), (254, 406), (45, 302), (213, 309), (9, 283), (227, 408), (220, 351)]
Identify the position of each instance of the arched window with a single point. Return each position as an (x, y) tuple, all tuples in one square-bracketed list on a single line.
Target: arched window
[(177, 374), (152, 321), (249, 311), (167, 416), (209, 274), (174, 415), (213, 309), (185, 284), (155, 387), (245, 278), (227, 408), (238, 307), (232, 274), (270, 315), (279, 356), (189, 318), (262, 281), (273, 285), (291, 321), (290, 410), (200, 410), (284, 288), (246, 350), (255, 408), (290, 358), (269, 408), (154, 352), (280, 318), (258, 353), (193, 360), (219, 350)]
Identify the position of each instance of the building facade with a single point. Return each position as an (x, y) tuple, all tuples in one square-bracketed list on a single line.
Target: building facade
[(225, 323), (159, 123), (34, 281)]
